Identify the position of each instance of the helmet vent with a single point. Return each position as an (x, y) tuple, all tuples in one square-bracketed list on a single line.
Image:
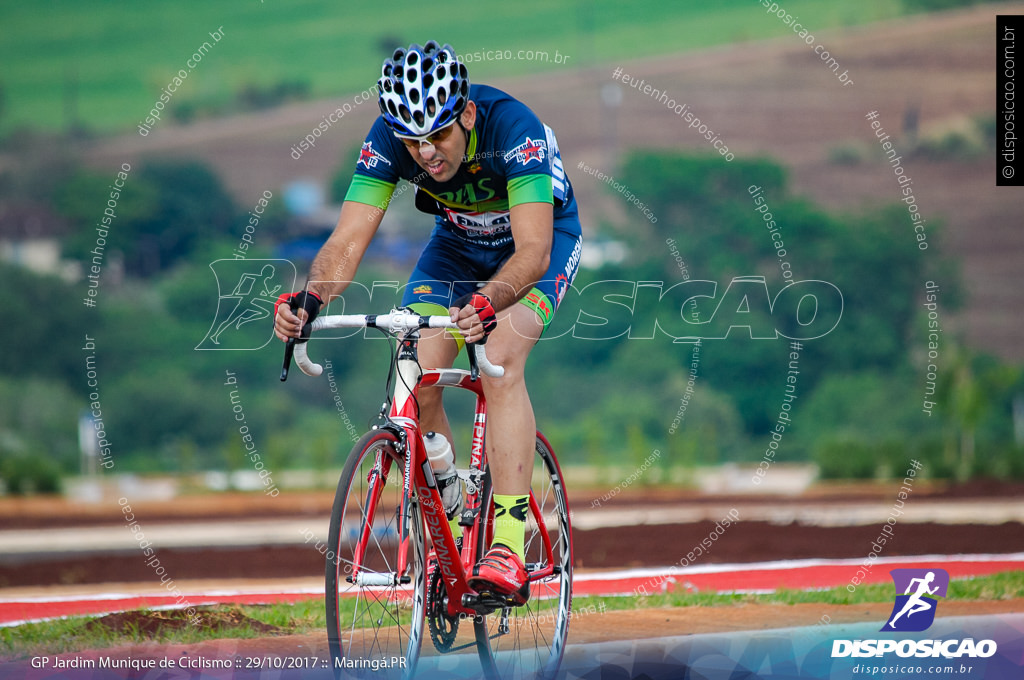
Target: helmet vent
[(422, 89)]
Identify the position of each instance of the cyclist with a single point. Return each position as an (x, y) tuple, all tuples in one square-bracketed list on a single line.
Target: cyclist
[(504, 249)]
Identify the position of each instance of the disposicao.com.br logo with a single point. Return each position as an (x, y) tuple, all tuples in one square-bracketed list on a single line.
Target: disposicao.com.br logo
[(914, 611)]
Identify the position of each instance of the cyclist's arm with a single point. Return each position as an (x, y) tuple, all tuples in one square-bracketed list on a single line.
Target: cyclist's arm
[(336, 263), (532, 227)]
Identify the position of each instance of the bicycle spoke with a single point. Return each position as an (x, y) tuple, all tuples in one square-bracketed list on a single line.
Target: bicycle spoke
[(375, 617), (535, 639)]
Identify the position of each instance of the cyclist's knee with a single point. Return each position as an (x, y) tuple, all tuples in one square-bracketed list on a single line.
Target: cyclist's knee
[(512, 379), (510, 356)]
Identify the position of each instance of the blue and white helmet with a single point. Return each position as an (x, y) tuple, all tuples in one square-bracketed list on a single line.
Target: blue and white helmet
[(422, 89)]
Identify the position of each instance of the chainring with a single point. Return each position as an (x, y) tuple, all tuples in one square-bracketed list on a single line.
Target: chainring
[(443, 627)]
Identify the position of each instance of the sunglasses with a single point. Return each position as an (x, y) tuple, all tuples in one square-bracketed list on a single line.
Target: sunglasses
[(433, 138)]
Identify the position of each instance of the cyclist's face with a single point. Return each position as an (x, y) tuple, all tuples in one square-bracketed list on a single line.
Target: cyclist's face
[(443, 158)]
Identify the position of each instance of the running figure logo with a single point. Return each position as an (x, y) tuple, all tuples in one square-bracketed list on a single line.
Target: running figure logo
[(254, 287), (914, 610)]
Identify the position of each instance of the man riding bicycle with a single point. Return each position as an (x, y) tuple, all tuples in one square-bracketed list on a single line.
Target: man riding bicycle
[(504, 250)]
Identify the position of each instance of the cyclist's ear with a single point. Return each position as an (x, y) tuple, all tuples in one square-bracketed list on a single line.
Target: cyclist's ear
[(468, 116)]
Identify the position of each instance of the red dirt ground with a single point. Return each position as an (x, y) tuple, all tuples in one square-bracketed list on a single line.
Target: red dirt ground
[(634, 546)]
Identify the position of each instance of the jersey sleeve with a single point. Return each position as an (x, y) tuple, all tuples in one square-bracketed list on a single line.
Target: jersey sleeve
[(376, 171), (526, 155)]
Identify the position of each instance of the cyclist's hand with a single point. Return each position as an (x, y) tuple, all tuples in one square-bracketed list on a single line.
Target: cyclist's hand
[(293, 311), (475, 316)]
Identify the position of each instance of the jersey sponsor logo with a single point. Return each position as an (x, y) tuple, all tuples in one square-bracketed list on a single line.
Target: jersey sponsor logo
[(481, 223), (470, 194), (423, 290), (539, 302), (369, 157), (563, 281), (561, 286), (530, 150)]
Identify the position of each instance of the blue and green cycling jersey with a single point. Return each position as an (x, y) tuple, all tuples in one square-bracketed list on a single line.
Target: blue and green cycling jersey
[(511, 158)]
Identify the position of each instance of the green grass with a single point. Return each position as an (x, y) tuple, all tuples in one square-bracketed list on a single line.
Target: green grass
[(1003, 586), (308, 616), (122, 55), (75, 634)]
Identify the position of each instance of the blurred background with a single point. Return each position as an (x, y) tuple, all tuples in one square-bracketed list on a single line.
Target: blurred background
[(80, 80)]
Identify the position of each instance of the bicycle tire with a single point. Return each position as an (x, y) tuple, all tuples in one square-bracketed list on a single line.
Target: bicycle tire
[(374, 630), (535, 641)]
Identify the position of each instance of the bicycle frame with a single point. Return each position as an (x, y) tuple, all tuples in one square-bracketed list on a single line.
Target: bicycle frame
[(418, 477)]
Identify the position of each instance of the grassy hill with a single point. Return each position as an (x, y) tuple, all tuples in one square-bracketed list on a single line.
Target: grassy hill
[(105, 63)]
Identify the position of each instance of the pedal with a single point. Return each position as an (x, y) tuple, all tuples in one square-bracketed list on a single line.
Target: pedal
[(487, 601), (484, 602)]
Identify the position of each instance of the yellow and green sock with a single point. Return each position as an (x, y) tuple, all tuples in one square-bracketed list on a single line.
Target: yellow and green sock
[(510, 522)]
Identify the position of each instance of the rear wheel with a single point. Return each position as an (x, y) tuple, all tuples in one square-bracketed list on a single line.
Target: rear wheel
[(375, 608), (528, 641)]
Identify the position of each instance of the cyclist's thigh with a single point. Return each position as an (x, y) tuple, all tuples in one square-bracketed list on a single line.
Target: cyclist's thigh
[(519, 327), (437, 348)]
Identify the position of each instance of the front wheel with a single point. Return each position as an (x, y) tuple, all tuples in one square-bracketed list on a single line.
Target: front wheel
[(375, 585), (529, 641)]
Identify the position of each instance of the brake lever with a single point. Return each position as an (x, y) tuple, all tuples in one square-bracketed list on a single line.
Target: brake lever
[(474, 366), (289, 350), (289, 347)]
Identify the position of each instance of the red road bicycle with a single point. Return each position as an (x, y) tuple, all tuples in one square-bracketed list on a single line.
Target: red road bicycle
[(382, 590)]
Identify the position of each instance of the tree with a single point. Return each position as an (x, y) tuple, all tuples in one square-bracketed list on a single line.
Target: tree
[(160, 216)]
